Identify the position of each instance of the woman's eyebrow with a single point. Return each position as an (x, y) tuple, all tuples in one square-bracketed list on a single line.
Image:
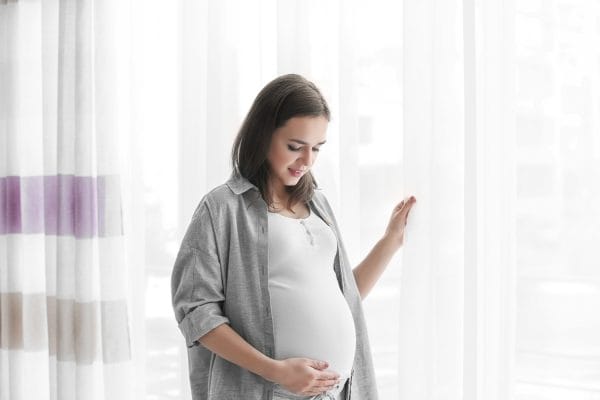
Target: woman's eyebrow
[(303, 142)]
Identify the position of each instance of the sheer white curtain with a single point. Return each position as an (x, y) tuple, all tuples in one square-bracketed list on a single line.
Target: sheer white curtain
[(486, 111), (64, 323), (457, 296), (557, 162)]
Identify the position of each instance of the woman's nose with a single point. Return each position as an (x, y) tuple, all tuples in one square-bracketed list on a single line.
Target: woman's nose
[(308, 158)]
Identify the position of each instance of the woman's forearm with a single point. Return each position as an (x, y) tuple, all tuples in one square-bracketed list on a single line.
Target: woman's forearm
[(367, 273), (228, 344)]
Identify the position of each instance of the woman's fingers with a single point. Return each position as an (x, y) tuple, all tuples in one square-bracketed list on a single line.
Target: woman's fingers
[(400, 205), (407, 201), (324, 388), (327, 381), (328, 375), (404, 207)]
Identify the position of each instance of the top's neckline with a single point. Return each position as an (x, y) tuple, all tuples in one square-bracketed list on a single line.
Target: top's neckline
[(297, 219)]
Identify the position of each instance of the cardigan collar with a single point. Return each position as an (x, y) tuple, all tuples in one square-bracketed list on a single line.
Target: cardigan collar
[(239, 184)]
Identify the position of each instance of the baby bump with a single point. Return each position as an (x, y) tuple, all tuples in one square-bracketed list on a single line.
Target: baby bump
[(313, 323)]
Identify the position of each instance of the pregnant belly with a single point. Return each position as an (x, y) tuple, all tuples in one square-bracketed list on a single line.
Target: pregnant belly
[(314, 323)]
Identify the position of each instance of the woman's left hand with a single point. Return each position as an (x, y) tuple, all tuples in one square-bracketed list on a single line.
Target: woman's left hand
[(398, 220)]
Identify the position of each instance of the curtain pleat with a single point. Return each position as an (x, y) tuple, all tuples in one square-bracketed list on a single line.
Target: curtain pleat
[(63, 303)]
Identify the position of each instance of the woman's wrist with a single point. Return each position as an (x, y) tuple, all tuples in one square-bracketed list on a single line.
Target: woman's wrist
[(270, 369), (391, 242)]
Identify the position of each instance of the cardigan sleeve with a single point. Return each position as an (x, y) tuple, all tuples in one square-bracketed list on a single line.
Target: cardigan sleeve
[(197, 288)]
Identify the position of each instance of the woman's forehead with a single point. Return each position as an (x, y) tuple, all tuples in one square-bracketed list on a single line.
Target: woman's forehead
[(305, 130)]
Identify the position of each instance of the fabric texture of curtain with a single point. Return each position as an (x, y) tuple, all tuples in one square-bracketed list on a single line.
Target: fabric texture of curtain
[(486, 111), (457, 302), (64, 330)]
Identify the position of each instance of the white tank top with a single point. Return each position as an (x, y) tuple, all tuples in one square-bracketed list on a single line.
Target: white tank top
[(311, 317)]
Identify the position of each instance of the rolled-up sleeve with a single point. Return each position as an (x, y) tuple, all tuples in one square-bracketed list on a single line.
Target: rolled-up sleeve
[(197, 282)]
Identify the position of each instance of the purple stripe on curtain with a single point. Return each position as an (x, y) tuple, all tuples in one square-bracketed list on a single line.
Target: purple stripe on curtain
[(66, 205)]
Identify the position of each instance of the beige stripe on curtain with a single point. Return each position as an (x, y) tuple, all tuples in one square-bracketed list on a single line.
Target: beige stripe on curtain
[(71, 331)]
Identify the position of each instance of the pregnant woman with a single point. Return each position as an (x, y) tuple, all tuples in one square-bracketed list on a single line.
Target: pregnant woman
[(262, 288)]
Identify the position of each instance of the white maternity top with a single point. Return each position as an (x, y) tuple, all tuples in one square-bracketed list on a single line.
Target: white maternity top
[(311, 317)]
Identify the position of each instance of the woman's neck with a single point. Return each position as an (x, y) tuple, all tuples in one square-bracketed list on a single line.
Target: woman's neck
[(277, 204), (279, 196)]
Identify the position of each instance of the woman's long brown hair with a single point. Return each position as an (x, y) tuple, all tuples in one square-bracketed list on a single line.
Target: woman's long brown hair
[(283, 98)]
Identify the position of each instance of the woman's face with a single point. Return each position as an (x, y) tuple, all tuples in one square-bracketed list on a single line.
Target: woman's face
[(294, 149)]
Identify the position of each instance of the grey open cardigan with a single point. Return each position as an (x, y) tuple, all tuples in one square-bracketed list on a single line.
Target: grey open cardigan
[(221, 276)]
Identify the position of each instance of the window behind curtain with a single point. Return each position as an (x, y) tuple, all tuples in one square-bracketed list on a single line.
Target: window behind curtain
[(558, 175)]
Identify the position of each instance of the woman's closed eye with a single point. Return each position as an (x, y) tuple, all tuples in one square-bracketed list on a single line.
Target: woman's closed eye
[(292, 148)]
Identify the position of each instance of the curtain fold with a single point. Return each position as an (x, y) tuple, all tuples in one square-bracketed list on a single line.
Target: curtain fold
[(431, 293), (457, 303), (63, 308)]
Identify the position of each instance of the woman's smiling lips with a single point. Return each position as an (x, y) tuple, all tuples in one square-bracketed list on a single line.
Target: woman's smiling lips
[(295, 172)]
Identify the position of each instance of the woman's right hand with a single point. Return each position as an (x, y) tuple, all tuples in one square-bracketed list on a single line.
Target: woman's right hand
[(304, 376)]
